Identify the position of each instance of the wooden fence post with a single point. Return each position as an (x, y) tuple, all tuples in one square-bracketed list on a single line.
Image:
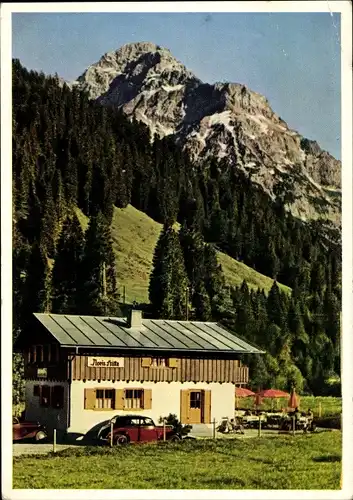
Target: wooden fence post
[(54, 442), (164, 437), (319, 409), (259, 426), (293, 425), (214, 428), (111, 434)]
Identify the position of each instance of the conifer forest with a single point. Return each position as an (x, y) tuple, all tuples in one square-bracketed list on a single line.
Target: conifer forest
[(69, 153)]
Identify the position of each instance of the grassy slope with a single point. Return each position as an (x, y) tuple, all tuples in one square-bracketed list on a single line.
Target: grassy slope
[(281, 462), (134, 238)]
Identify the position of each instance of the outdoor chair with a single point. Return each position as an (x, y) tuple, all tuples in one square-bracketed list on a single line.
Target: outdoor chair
[(237, 426)]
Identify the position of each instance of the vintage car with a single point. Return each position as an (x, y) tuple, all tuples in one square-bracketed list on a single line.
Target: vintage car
[(134, 429), (27, 430)]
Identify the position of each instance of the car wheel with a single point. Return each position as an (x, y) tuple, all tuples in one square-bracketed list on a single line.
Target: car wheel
[(40, 436), (175, 437), (121, 439)]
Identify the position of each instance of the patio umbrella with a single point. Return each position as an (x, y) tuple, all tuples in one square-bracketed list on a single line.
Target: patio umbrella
[(293, 400), (272, 394), (242, 392)]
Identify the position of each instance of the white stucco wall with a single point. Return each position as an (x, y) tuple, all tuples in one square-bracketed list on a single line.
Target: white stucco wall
[(165, 400), (50, 417)]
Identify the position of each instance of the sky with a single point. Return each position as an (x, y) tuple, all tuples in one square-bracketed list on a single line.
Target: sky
[(291, 58)]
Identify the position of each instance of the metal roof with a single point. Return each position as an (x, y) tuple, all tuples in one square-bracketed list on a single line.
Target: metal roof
[(154, 334)]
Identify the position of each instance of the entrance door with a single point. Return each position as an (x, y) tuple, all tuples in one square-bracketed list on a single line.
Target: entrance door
[(195, 406)]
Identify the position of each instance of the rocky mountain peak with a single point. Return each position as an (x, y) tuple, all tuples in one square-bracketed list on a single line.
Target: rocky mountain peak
[(134, 67), (226, 121)]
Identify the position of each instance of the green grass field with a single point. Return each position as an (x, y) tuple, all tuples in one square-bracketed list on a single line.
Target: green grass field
[(283, 462), (135, 236), (330, 406)]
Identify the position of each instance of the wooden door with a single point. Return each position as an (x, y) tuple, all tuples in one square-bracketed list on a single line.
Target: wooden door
[(196, 404)]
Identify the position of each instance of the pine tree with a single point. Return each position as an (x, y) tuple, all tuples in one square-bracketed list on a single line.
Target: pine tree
[(201, 303), (317, 282), (245, 322), (66, 270), (48, 224), (168, 280), (192, 244), (300, 339), (98, 285), (36, 287), (20, 255)]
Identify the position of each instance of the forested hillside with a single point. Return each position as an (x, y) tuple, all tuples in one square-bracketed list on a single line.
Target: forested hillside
[(70, 153)]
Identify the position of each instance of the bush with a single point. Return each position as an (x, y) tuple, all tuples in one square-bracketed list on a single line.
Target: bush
[(178, 427), (18, 385)]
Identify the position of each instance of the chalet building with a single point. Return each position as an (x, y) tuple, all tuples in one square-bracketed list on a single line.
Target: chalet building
[(82, 370)]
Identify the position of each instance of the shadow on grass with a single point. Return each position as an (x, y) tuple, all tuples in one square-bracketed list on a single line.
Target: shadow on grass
[(327, 458)]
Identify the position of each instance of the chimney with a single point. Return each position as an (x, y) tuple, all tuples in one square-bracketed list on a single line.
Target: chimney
[(134, 319)]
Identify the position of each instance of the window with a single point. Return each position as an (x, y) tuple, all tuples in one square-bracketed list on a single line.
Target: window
[(117, 399), (46, 353), (56, 353), (105, 398), (147, 422), (57, 396), (40, 354), (133, 398), (134, 422), (195, 399), (32, 354), (160, 362), (36, 390), (45, 396)]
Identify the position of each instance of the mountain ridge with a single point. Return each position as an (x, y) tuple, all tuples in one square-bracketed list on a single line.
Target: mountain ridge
[(223, 121)]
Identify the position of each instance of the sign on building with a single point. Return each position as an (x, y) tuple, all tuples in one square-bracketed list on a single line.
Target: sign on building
[(97, 362)]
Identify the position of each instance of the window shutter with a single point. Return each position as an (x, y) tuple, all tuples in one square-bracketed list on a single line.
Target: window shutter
[(146, 362), (90, 399), (207, 407), (119, 399), (173, 362), (147, 399), (184, 406)]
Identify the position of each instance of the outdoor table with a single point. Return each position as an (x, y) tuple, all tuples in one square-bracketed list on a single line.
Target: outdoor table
[(274, 419)]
